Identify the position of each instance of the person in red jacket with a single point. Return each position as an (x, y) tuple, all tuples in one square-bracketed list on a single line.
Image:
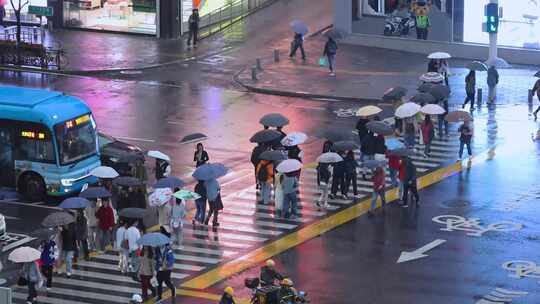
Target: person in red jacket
[(394, 162), (105, 217), (379, 179)]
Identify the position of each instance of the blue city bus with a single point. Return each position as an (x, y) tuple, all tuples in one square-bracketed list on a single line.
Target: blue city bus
[(48, 142)]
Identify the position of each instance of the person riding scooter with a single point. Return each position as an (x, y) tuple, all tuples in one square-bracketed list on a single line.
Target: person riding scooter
[(287, 293), (269, 274), (227, 297)]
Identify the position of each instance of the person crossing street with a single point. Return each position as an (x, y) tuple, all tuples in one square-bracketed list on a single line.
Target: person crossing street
[(298, 42), (193, 23)]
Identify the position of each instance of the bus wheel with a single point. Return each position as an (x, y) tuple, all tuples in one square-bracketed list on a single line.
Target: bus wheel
[(33, 188)]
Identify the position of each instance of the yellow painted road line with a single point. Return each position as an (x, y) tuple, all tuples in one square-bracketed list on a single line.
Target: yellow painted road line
[(315, 229), (196, 294)]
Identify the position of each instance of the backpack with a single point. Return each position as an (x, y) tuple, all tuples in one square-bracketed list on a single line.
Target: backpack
[(262, 175)]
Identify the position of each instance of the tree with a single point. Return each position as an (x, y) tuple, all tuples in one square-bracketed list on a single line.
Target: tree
[(17, 11)]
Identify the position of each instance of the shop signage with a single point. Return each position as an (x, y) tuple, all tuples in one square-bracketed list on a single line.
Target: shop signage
[(41, 10)]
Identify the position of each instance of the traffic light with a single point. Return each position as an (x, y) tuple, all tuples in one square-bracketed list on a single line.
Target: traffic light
[(492, 15)]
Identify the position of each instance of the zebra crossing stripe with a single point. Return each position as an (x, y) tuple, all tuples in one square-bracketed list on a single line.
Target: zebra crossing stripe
[(179, 266), (225, 235), (225, 253), (87, 294), (243, 220), (23, 295), (228, 210), (95, 285)]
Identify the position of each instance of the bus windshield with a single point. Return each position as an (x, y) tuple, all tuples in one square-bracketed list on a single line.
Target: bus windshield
[(76, 139)]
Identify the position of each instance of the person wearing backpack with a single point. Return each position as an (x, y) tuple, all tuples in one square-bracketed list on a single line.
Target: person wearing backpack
[(265, 176), (164, 265), (49, 253), (330, 51)]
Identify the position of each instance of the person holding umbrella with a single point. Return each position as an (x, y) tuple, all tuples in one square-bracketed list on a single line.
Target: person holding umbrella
[(350, 173), (132, 236), (428, 132), (122, 245), (200, 203), (214, 201), (409, 183), (298, 42), (255, 159), (178, 213), (146, 272), (201, 156), (492, 81), (409, 134), (164, 258), (30, 273), (290, 199), (265, 176), (91, 220), (330, 51), (536, 89), (105, 216), (49, 253), (470, 89), (379, 180), (465, 137), (193, 23), (338, 178), (81, 235), (69, 246)]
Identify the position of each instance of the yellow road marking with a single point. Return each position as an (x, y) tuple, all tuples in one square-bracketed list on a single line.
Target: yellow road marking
[(196, 294), (315, 229)]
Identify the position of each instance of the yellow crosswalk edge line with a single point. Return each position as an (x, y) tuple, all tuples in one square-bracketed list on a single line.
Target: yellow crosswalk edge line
[(315, 229)]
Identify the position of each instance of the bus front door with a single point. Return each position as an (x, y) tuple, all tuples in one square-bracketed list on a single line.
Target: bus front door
[(7, 163)]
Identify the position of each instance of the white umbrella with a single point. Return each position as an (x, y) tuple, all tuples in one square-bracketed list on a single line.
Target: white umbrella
[(432, 109), (329, 158), (439, 55), (160, 197), (407, 109), (432, 77), (498, 62), (104, 172), (159, 155), (368, 111), (289, 165), (24, 255), (294, 138)]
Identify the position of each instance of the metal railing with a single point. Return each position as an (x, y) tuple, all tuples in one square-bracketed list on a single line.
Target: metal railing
[(225, 16)]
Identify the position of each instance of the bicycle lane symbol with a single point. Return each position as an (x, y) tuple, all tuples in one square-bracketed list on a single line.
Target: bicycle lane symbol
[(474, 226), (344, 113), (522, 269)]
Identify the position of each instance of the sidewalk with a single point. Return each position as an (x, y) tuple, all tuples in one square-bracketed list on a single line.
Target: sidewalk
[(364, 74)]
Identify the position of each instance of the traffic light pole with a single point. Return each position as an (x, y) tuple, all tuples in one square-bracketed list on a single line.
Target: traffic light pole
[(493, 41)]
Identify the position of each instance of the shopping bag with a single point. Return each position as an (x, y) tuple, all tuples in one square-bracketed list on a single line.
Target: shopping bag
[(323, 61)]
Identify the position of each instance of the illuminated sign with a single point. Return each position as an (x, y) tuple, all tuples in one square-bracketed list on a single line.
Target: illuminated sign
[(77, 121), (492, 14), (32, 134)]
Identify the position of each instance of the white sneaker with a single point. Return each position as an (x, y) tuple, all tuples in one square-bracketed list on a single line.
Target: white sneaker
[(332, 74), (48, 289), (68, 274)]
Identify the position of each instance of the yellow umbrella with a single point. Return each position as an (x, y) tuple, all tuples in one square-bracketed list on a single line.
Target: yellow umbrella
[(368, 111)]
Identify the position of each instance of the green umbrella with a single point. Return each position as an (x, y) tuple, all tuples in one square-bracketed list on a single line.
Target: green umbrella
[(186, 195)]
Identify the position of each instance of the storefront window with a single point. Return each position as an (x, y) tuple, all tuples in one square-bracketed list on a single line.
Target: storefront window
[(25, 17), (136, 16)]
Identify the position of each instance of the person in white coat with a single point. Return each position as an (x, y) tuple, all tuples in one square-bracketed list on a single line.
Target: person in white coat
[(133, 235), (178, 214), (278, 193), (123, 251), (164, 214)]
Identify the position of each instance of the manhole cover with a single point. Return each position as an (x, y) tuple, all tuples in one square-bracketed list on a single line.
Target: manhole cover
[(456, 203)]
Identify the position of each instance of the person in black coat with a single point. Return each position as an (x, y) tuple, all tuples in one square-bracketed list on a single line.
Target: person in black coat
[(69, 246), (193, 25), (81, 235), (327, 146), (409, 182), (255, 159), (298, 42), (379, 144), (350, 173), (361, 128), (201, 156), (161, 168), (368, 146), (338, 179)]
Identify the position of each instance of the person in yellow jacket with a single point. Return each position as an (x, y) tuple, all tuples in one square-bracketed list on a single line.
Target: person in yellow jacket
[(228, 296), (265, 177)]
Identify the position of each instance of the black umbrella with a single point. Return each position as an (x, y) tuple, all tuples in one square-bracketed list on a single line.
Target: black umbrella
[(344, 145), (403, 152), (439, 91), (336, 134), (265, 136), (127, 181), (423, 98), (394, 93), (193, 138), (380, 127), (169, 182), (95, 192), (273, 155), (425, 87), (274, 120), (57, 219), (134, 213), (537, 74)]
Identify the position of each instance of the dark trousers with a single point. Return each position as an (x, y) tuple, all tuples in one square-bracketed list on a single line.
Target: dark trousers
[(338, 181), (82, 244), (146, 285), (351, 177), (410, 186), (47, 271), (463, 143), (470, 97), (193, 33), (398, 124), (165, 277), (421, 33), (537, 109), (295, 47), (442, 123), (210, 212), (31, 291)]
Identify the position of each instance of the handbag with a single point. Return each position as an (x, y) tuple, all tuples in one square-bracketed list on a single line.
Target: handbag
[(323, 61), (125, 242), (22, 281)]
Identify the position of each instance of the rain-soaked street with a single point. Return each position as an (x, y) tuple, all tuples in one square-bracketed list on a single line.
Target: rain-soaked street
[(473, 237)]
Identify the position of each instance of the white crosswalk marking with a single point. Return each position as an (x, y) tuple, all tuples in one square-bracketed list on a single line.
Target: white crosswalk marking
[(244, 225)]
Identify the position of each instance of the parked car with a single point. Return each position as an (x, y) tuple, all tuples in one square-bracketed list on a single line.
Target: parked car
[(119, 155)]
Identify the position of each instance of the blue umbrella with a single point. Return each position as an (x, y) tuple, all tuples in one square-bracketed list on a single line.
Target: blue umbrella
[(394, 144), (299, 27), (74, 203), (169, 182), (210, 171), (95, 192), (154, 239)]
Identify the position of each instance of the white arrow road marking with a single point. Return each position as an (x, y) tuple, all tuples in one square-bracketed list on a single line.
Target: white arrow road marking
[(419, 253)]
